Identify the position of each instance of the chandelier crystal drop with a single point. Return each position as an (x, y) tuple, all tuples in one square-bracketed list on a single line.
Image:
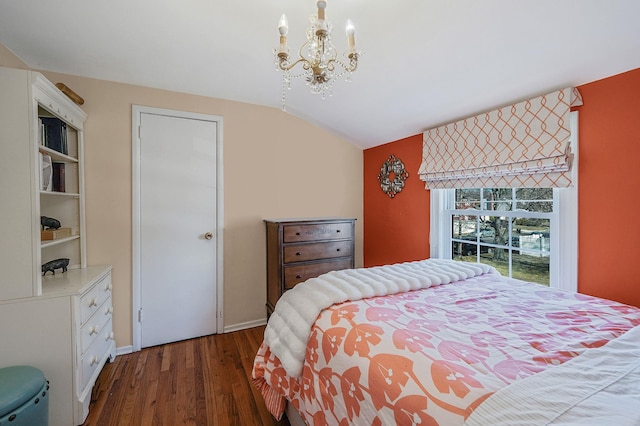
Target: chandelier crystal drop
[(321, 66)]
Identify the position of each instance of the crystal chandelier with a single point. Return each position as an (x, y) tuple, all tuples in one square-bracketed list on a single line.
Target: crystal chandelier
[(320, 64)]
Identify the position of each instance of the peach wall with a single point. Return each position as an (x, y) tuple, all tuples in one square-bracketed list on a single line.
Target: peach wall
[(609, 181), (609, 134), (275, 165), (8, 59), (396, 229)]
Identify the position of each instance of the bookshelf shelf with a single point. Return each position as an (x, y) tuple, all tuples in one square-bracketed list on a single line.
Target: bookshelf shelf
[(59, 194), (57, 156), (52, 243)]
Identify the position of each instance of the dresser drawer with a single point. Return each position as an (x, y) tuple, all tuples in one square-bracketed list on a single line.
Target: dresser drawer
[(296, 274), (90, 302), (90, 331), (303, 252), (96, 352), (316, 232)]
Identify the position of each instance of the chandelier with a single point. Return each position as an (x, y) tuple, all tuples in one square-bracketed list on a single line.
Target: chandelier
[(320, 64)]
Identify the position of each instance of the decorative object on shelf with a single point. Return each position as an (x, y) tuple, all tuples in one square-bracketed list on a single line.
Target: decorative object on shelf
[(52, 265), (55, 234), (317, 55), (392, 176), (49, 222), (70, 93)]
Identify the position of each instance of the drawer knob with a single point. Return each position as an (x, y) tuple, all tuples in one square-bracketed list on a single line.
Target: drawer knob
[(298, 276), (107, 287), (94, 360), (298, 253), (338, 231), (337, 249), (93, 330), (93, 302), (108, 310), (297, 233), (110, 336)]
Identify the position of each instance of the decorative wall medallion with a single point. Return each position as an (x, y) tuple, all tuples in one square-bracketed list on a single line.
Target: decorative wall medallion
[(392, 176)]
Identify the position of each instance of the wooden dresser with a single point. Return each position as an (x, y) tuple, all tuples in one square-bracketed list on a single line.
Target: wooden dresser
[(299, 249)]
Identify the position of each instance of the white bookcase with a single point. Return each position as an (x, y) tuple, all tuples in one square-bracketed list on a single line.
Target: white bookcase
[(27, 97), (62, 322)]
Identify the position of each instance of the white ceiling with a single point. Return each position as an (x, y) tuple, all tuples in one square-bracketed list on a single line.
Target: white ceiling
[(425, 62)]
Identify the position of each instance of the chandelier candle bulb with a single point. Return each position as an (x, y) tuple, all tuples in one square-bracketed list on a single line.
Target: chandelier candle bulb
[(351, 35), (322, 5), (283, 25), (283, 28)]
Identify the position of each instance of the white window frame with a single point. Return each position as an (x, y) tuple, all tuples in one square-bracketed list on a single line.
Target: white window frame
[(563, 266)]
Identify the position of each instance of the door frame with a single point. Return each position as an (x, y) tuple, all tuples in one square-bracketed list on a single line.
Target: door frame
[(136, 295)]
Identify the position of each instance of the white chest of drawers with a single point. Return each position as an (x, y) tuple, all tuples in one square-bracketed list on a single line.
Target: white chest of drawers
[(67, 333)]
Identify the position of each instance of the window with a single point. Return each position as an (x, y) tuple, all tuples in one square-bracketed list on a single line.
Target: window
[(507, 228), (528, 234)]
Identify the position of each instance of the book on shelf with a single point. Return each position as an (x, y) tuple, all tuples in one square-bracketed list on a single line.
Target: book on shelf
[(40, 131), (46, 172), (58, 179), (55, 134)]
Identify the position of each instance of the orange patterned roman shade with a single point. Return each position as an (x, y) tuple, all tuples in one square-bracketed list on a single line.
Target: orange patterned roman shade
[(523, 145)]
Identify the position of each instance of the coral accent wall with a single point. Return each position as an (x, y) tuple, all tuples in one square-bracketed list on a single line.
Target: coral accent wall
[(395, 229), (609, 180)]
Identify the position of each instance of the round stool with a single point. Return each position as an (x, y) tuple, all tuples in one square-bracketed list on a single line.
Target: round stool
[(24, 397)]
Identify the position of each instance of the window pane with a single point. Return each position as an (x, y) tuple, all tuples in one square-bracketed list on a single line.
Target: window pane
[(467, 198), (464, 251), (498, 199), (533, 235), (464, 226), (498, 258), (535, 199), (494, 230), (529, 267)]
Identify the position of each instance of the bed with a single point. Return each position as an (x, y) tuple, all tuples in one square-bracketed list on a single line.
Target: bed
[(449, 343)]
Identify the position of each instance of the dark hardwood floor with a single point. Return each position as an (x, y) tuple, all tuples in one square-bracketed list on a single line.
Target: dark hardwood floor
[(203, 381)]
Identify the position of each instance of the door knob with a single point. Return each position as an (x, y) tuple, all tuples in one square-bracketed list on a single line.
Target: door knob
[(208, 235)]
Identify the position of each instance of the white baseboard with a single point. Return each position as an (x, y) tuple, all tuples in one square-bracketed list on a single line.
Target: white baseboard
[(123, 350), (244, 325)]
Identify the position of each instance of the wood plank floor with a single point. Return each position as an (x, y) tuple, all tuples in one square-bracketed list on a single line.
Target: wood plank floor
[(203, 381)]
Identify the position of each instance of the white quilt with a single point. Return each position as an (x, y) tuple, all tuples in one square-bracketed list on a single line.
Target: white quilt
[(599, 387), (289, 326)]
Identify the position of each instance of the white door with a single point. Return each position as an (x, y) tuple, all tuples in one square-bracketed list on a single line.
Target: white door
[(177, 255)]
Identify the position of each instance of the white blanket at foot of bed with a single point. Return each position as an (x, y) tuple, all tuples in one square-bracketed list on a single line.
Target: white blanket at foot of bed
[(289, 326), (599, 387)]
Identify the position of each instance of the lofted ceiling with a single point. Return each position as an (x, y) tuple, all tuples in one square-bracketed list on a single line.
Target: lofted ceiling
[(425, 62)]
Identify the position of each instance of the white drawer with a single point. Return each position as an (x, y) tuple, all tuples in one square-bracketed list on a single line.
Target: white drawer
[(104, 289), (91, 329), (96, 352), (90, 302)]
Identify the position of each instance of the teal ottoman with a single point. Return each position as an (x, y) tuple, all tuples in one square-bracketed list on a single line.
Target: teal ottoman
[(24, 397)]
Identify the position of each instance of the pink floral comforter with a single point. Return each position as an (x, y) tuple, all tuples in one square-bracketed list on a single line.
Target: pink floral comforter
[(432, 356)]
